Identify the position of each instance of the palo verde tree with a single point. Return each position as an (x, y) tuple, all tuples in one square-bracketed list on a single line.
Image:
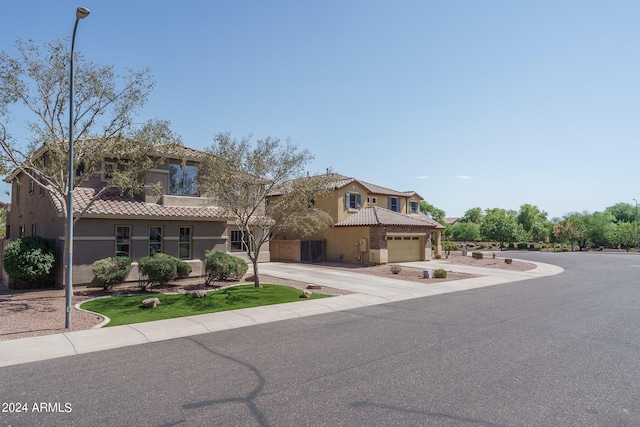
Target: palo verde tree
[(265, 188), (106, 104)]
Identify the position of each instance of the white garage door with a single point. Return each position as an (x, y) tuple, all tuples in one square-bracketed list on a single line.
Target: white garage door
[(404, 248)]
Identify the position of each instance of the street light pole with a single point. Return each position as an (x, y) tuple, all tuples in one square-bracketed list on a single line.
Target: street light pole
[(81, 13), (637, 239)]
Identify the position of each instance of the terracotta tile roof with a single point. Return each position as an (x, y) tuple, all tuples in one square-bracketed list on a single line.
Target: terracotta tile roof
[(112, 203), (375, 215)]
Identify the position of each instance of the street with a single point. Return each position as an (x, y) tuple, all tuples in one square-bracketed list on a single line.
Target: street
[(556, 351)]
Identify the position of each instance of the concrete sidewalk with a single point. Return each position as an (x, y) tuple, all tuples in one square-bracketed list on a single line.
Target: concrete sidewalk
[(369, 290)]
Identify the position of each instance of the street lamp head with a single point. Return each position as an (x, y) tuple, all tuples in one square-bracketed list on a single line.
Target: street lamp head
[(82, 12)]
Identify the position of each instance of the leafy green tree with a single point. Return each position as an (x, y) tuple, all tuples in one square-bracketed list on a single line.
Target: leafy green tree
[(625, 235), (466, 231), (239, 177), (474, 215), (435, 213), (572, 229), (601, 228), (499, 225), (534, 221), (622, 212)]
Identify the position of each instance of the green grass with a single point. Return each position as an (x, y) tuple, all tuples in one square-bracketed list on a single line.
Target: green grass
[(128, 310)]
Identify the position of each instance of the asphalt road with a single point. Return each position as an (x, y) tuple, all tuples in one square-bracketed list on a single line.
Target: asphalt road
[(557, 351)]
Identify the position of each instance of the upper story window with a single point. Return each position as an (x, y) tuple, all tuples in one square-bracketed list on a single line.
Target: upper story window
[(414, 207), (183, 181), (352, 201), (393, 204), (107, 170)]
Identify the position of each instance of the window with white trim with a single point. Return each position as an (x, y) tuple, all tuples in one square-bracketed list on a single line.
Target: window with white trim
[(183, 181), (184, 244), (123, 240), (238, 241), (352, 201), (155, 240), (393, 204)]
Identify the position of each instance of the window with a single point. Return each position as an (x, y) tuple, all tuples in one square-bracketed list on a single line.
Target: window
[(17, 192), (184, 245), (21, 235), (123, 241), (352, 201), (393, 204), (33, 229), (155, 240), (32, 186), (80, 169), (183, 181), (414, 207), (107, 170), (238, 242)]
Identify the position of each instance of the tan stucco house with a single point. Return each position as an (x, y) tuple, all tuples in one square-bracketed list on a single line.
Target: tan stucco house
[(372, 225), (177, 221)]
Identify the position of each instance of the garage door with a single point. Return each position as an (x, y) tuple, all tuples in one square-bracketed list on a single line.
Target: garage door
[(404, 248)]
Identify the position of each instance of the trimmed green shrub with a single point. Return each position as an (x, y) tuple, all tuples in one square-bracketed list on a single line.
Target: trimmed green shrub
[(111, 271), (438, 256), (220, 266), (440, 274), (183, 269), (29, 259), (522, 246), (508, 260), (476, 255), (157, 269)]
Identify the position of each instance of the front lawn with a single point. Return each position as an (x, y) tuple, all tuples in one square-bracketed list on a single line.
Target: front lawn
[(127, 310)]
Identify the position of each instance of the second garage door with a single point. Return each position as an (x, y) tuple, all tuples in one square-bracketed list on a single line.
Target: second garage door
[(404, 248)]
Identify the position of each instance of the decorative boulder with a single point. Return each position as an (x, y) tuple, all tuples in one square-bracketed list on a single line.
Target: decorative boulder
[(306, 294), (151, 302), (198, 294)]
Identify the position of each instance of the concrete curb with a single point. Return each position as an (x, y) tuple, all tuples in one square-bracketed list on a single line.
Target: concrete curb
[(369, 290)]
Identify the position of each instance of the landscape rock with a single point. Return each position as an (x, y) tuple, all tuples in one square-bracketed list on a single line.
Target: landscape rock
[(151, 302), (198, 294), (306, 293)]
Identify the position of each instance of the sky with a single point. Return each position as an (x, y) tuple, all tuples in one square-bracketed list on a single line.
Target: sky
[(490, 104)]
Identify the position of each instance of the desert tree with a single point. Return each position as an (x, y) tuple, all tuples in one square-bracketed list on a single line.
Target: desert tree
[(105, 107), (264, 186), (106, 104)]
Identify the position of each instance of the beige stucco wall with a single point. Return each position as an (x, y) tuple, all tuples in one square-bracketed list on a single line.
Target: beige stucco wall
[(344, 244)]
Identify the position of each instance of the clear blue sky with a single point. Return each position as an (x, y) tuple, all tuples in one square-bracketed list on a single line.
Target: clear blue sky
[(491, 103)]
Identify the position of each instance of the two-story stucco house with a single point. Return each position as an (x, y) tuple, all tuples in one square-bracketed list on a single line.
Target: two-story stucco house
[(177, 221), (372, 225)]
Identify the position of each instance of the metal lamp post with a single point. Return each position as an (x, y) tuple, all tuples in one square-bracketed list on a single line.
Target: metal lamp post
[(81, 13), (637, 239)]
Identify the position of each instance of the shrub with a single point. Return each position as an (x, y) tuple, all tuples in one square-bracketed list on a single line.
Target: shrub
[(522, 246), (28, 259), (220, 266), (395, 268), (476, 255), (157, 269), (111, 271), (183, 269), (508, 260), (438, 256), (440, 273)]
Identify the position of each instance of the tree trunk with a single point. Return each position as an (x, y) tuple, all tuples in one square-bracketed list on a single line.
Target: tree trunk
[(256, 278)]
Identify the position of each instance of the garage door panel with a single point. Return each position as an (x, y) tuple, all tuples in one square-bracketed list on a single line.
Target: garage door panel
[(403, 248)]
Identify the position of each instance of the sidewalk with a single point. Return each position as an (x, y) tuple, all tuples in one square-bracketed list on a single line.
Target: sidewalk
[(369, 290)]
